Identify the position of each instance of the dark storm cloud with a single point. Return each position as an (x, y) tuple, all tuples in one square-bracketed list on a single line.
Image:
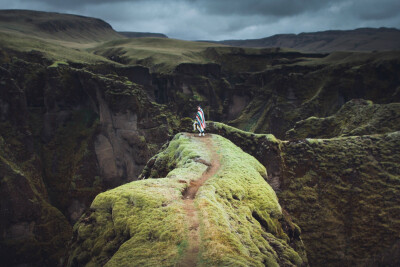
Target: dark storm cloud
[(220, 7), (73, 3), (257, 7), (376, 10), (226, 19)]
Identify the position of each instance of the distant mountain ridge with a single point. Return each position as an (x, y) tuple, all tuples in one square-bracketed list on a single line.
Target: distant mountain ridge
[(362, 39), (83, 30), (63, 27), (143, 34)]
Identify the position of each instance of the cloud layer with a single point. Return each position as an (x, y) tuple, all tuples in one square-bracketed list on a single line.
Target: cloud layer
[(226, 19)]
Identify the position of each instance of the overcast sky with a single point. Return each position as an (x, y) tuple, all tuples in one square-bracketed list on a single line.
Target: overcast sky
[(226, 19)]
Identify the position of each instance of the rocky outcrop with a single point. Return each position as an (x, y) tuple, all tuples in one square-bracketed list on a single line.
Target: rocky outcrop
[(144, 222)]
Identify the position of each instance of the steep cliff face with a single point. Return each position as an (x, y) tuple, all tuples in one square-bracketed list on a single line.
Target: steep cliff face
[(146, 223), (67, 135), (32, 230)]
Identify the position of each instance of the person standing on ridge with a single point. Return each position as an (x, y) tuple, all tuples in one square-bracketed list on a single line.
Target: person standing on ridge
[(200, 121)]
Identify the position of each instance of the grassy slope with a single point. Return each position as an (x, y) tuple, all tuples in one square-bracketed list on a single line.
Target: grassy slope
[(56, 27), (58, 37), (50, 50), (240, 215), (164, 55), (159, 54)]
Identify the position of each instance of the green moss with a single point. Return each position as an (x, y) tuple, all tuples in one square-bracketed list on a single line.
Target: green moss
[(341, 190), (314, 141), (239, 214), (143, 223), (331, 188), (147, 211), (148, 222), (216, 126)]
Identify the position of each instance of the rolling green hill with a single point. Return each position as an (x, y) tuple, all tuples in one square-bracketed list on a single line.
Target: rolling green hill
[(159, 54)]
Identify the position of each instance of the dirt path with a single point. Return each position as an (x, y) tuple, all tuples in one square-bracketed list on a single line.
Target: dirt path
[(190, 257)]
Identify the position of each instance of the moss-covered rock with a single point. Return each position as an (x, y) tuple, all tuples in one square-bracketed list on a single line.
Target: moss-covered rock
[(342, 192), (143, 223), (242, 221), (264, 147), (356, 117)]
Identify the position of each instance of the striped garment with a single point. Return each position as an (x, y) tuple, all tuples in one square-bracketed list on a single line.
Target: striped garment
[(200, 119)]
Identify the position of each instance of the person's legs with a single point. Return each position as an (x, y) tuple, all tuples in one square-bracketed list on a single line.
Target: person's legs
[(197, 126)]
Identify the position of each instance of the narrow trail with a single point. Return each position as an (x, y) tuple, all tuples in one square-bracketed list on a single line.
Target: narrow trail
[(190, 257)]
